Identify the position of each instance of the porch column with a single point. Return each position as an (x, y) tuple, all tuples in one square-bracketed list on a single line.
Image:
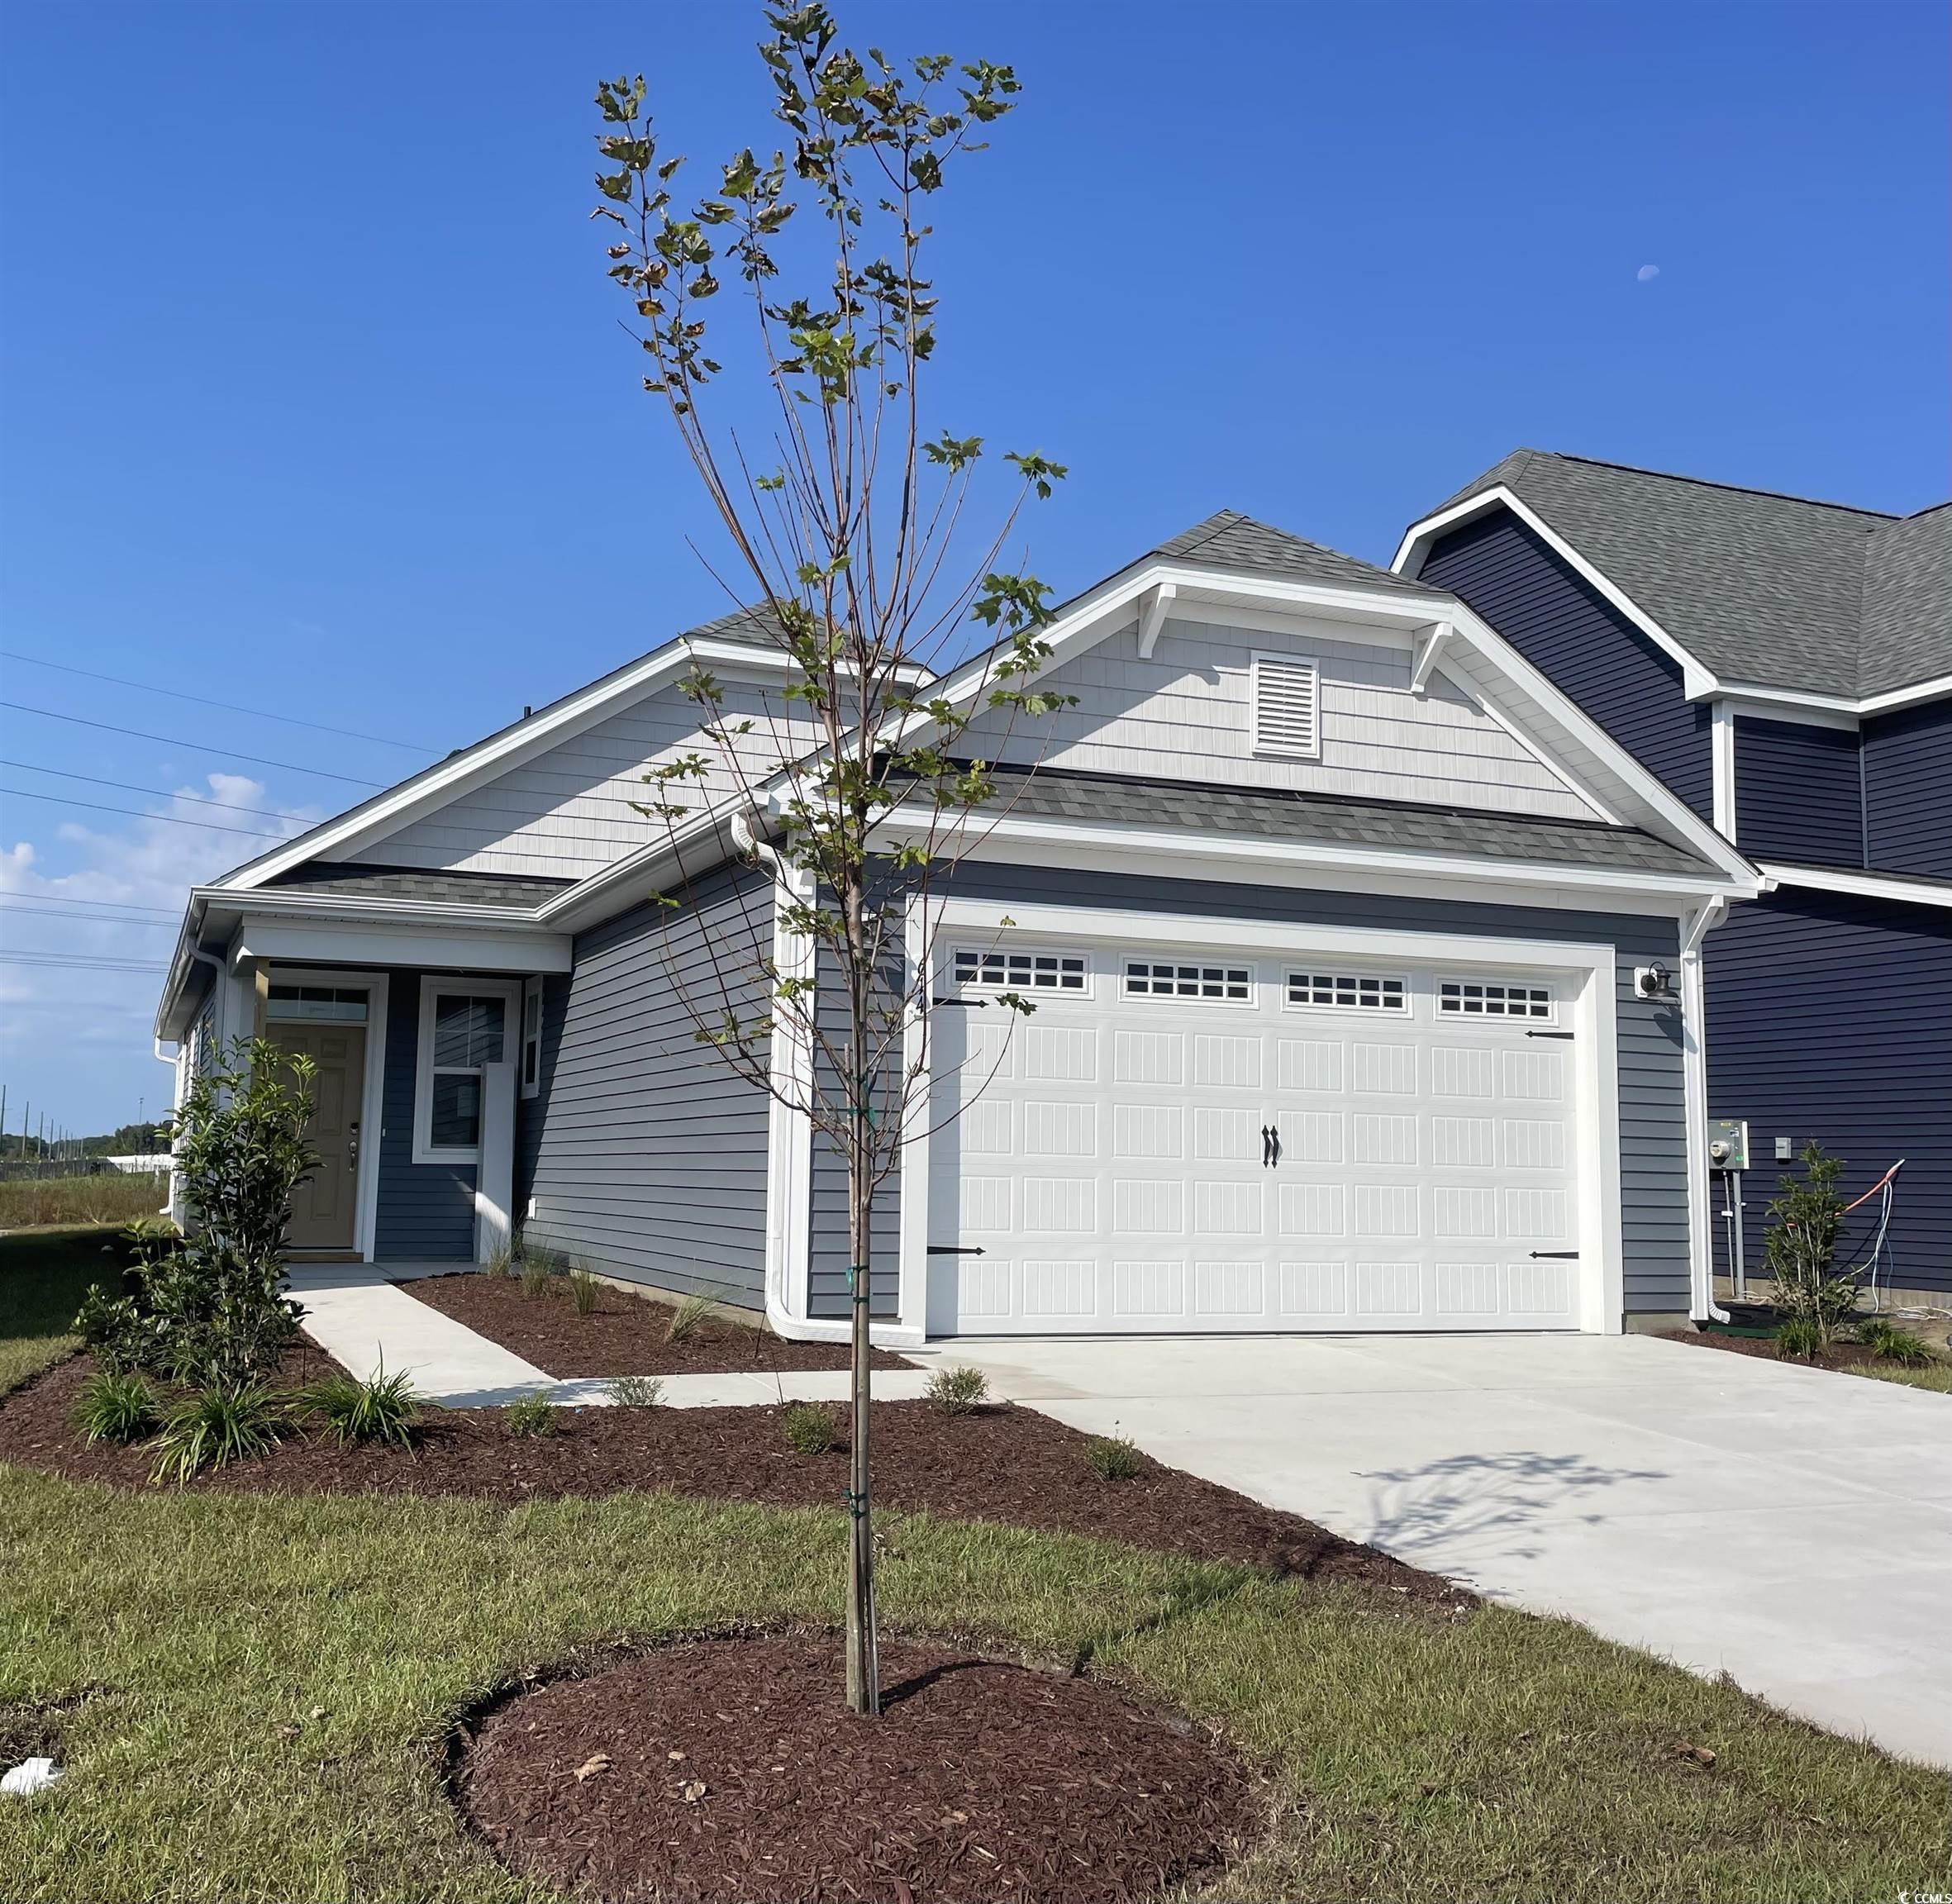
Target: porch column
[(494, 1173)]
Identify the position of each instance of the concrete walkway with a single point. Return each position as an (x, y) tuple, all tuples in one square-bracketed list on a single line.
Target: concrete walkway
[(357, 1315), (1790, 1527)]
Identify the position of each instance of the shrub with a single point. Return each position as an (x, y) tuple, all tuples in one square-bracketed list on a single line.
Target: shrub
[(689, 1317), (584, 1290), (225, 1421), (1801, 1248), (1113, 1457), (116, 1405), (810, 1428), (534, 1415), (637, 1391), (1889, 1343), (959, 1391), (384, 1409), (500, 1261), (539, 1273), (1799, 1339), (211, 1308)]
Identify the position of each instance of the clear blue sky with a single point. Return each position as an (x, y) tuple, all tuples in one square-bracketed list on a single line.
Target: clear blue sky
[(314, 401)]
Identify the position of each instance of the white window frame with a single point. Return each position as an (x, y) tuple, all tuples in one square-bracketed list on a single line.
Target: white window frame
[(432, 987), (1030, 989), (1439, 980), (1208, 963), (525, 1038), (1397, 1014), (1276, 749)]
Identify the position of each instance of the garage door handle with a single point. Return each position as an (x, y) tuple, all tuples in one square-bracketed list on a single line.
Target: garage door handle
[(1270, 1144), (1548, 1035), (1561, 1255), (955, 1249)]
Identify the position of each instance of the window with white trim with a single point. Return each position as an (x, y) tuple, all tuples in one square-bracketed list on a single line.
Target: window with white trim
[(1019, 971), (1480, 998), (1284, 697), (462, 1031), (530, 1074), (1349, 991), (1155, 978)]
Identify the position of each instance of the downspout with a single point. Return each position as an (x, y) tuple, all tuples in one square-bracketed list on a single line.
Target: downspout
[(1694, 1066)]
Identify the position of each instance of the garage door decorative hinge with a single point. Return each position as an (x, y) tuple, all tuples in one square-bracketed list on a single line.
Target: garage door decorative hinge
[(1549, 1033), (956, 1250), (1560, 1255)]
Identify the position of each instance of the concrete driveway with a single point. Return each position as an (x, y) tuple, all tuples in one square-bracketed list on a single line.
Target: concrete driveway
[(1789, 1527)]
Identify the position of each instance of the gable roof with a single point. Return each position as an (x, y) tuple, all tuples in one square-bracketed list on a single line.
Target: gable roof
[(1228, 539), (1770, 590)]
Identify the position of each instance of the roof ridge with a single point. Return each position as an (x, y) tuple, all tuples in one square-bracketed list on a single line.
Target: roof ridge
[(1713, 483)]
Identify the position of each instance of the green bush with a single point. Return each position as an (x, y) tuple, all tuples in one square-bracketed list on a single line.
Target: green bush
[(689, 1318), (539, 1274), (1799, 1338), (1800, 1250), (585, 1291), (1889, 1343), (959, 1391), (211, 1308), (225, 1421), (116, 1405), (1113, 1457), (637, 1391), (533, 1416), (384, 1409), (500, 1263), (810, 1428)]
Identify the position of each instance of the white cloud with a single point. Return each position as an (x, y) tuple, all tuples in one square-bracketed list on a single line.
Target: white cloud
[(1647, 274)]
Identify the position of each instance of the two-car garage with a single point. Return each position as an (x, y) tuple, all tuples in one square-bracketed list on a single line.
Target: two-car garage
[(1227, 1138)]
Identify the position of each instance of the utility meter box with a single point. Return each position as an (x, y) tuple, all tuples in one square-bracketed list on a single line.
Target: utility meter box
[(1728, 1143)]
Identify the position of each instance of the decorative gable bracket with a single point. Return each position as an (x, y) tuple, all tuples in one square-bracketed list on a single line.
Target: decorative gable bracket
[(1430, 646), (1153, 606)]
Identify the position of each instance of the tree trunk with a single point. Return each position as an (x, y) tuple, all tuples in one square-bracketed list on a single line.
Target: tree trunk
[(864, 1677)]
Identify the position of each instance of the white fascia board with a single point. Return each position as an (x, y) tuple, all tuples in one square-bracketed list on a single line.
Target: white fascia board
[(473, 767), (277, 902), (1696, 680), (1178, 853), (1935, 689), (690, 850), (1803, 712), (1786, 704), (1864, 885), (451, 949)]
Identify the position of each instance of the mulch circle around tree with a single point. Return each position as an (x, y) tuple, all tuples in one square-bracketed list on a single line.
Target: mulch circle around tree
[(1003, 1464), (730, 1770), (624, 1335)]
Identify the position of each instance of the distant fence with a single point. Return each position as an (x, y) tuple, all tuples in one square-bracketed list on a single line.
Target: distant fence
[(33, 1170)]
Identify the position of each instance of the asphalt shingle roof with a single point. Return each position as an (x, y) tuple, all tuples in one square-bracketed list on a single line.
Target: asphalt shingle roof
[(1228, 539), (348, 878), (1332, 819), (1776, 590)]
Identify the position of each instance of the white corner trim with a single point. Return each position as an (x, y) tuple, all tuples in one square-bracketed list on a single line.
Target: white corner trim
[(372, 1091), (432, 985), (1429, 648), (1694, 1084), (1594, 1018), (1721, 742), (1152, 617), (1696, 680), (1864, 885)]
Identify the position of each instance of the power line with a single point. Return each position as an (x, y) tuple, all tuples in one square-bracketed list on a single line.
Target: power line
[(83, 962), (112, 904), (228, 707), (187, 746), (132, 787), (136, 813), (105, 919)]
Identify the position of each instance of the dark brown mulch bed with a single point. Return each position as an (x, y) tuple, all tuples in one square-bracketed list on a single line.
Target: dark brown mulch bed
[(1004, 1464), (623, 1336), (1839, 1355), (731, 1770)]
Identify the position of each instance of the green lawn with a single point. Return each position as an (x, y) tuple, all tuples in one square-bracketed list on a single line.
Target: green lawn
[(44, 1274), (1493, 1757)]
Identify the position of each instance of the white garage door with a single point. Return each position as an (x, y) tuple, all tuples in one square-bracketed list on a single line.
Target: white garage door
[(1205, 1143)]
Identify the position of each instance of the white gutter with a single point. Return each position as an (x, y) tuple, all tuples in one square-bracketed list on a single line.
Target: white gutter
[(1694, 1074)]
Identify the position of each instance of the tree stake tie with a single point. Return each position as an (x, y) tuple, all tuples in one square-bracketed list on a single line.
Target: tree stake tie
[(857, 1282)]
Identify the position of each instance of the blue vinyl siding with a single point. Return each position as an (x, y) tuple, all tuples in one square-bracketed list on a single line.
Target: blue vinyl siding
[(426, 1211), (1591, 651), (1653, 1130), (1907, 782), (1798, 793), (1831, 1017), (644, 1154)]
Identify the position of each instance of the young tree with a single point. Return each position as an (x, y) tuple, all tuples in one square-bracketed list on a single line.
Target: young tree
[(1800, 1248), (855, 547)]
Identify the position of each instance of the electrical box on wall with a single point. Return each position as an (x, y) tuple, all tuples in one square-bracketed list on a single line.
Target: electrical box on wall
[(1785, 1150), (1728, 1143)]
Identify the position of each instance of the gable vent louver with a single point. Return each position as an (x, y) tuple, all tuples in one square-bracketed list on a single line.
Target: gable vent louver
[(1286, 706)]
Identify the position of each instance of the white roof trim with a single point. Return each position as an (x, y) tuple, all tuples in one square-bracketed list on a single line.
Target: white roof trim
[(1864, 885)]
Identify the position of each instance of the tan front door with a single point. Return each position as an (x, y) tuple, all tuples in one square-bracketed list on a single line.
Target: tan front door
[(323, 1207)]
